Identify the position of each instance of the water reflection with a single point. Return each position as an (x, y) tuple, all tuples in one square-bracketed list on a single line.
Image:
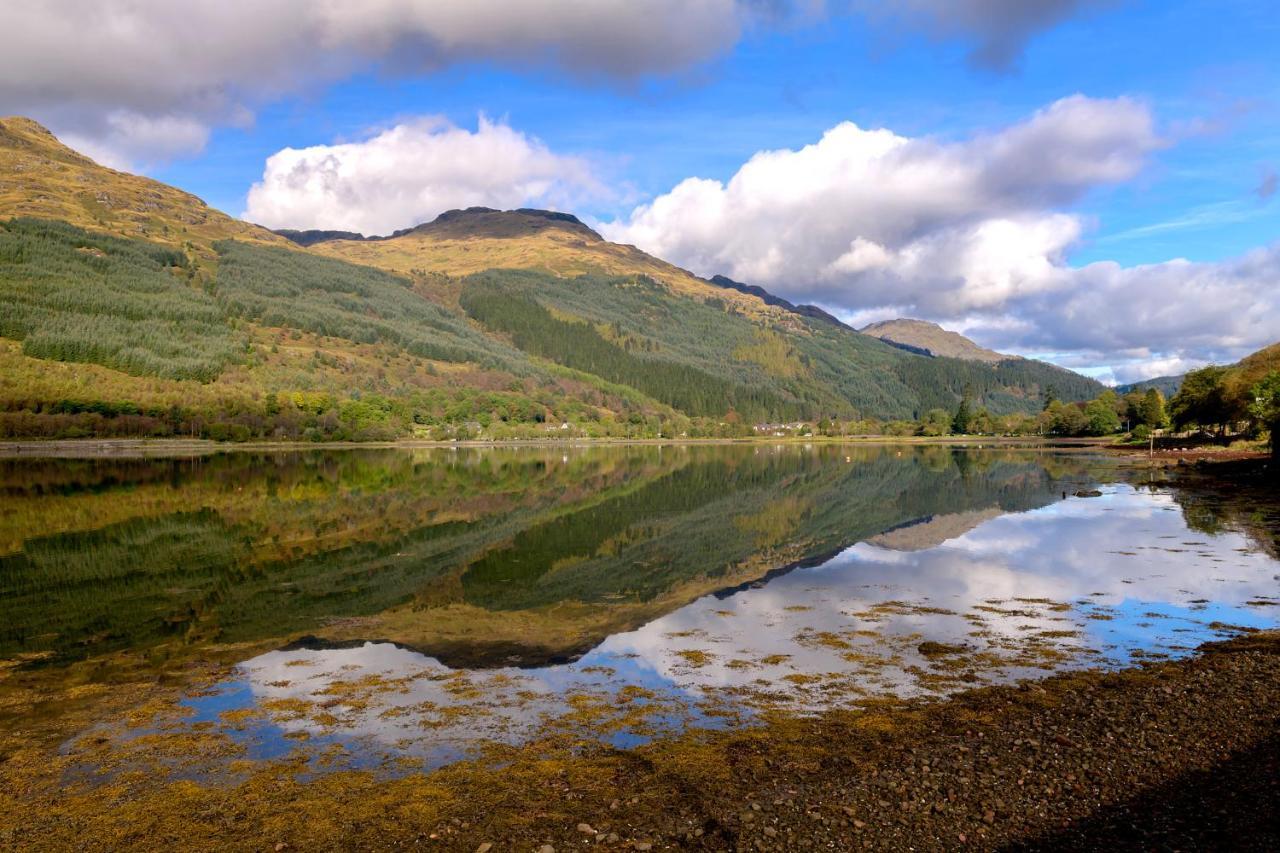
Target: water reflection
[(384, 605), (944, 604), (435, 549)]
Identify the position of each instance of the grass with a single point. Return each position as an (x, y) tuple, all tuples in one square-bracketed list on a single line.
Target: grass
[(41, 177)]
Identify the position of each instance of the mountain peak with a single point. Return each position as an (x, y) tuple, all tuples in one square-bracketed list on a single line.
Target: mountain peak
[(20, 133), (465, 223), (22, 124), (488, 222), (926, 338), (811, 311), (41, 177)]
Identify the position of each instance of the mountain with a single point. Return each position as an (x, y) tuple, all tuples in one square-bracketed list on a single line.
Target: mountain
[(925, 338), (468, 224), (40, 177), (461, 242), (1166, 385), (1253, 368), (131, 308), (812, 311)]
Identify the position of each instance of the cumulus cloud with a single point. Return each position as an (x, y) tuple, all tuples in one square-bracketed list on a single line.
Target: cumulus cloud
[(998, 30), (1146, 318), (87, 66), (865, 216), (410, 173), (975, 233)]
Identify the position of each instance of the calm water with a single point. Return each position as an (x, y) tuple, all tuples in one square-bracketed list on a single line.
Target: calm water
[(383, 605)]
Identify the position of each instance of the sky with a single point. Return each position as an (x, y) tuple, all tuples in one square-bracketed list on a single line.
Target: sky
[(1094, 182)]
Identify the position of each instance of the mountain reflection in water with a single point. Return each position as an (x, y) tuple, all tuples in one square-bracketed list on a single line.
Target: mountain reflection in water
[(430, 604)]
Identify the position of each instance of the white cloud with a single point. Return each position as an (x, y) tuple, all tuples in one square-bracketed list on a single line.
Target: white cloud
[(409, 174), (1178, 310), (975, 233), (125, 138), (864, 217), (1140, 369), (79, 65)]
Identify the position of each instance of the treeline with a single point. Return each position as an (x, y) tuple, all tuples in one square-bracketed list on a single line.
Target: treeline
[(460, 413), (1007, 387), (1241, 400), (1107, 414), (70, 295), (580, 346)]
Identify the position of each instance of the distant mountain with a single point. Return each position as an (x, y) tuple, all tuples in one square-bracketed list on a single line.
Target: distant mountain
[(1167, 385), (927, 338), (812, 311), (312, 236), (133, 308), (469, 223)]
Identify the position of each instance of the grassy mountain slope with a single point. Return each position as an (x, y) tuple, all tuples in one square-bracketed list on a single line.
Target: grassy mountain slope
[(478, 323), (461, 242), (41, 177), (931, 339), (799, 347)]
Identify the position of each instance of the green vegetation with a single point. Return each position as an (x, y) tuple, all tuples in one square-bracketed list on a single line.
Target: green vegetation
[(1231, 401), (1166, 385), (1265, 408), (1106, 414), (69, 295), (1207, 400), (635, 331), (112, 554), (276, 343), (290, 289), (579, 345)]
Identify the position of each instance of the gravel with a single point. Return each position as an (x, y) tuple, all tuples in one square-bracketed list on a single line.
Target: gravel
[(1172, 755)]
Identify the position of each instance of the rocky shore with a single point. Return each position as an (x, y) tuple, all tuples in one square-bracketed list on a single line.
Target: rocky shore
[(1178, 755)]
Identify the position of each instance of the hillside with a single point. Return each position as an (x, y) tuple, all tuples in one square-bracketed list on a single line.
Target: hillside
[(481, 323), (40, 177), (1166, 385), (927, 338), (812, 311), (460, 242), (1252, 368)]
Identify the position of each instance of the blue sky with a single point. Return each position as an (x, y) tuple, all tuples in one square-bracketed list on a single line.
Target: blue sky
[(611, 138), (1194, 62)]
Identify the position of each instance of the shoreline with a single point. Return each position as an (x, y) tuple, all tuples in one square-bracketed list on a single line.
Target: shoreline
[(1136, 758), (1163, 753), (88, 448)]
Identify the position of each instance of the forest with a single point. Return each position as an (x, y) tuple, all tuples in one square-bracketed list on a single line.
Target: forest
[(113, 337)]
